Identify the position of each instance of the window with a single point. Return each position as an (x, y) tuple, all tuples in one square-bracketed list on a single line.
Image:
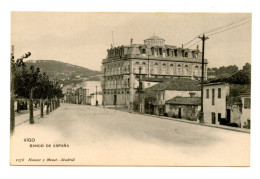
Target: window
[(163, 96), (186, 54), (175, 53), (164, 68), (171, 69), (137, 65), (156, 68), (186, 71), (168, 52), (178, 69), (213, 96), (143, 51), (127, 92), (207, 93), (182, 53), (196, 71), (143, 67), (152, 50), (247, 103), (160, 51), (192, 94), (219, 92), (148, 84)]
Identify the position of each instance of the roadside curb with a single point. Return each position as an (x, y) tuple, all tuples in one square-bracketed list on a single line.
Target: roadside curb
[(191, 122)]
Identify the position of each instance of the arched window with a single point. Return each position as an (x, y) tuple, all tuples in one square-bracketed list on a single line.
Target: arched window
[(143, 67), (156, 68), (179, 69), (168, 52), (186, 70), (196, 71), (160, 51), (176, 53), (137, 66), (164, 69), (171, 69), (143, 51), (152, 49)]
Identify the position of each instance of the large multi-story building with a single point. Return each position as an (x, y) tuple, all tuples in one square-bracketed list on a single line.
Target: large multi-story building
[(124, 65)]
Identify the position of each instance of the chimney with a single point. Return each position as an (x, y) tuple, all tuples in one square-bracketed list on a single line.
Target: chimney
[(182, 46), (131, 41)]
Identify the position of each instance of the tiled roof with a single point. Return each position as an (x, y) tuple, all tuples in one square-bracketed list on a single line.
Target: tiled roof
[(153, 79), (177, 84), (184, 101)]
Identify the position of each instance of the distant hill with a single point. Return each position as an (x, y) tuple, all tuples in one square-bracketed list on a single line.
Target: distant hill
[(59, 70), (64, 71)]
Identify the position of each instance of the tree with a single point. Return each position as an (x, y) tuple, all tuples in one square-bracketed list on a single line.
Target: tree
[(17, 67), (247, 67)]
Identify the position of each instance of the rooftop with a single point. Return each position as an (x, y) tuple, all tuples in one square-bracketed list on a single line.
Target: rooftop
[(153, 79), (184, 101), (177, 84), (155, 38)]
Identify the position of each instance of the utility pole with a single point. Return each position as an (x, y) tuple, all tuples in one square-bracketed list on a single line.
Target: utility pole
[(203, 38)]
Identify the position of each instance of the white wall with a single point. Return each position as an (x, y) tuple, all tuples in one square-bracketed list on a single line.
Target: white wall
[(245, 112), (145, 84), (220, 103), (90, 86)]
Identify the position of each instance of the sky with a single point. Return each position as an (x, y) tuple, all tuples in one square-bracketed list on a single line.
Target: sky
[(82, 38)]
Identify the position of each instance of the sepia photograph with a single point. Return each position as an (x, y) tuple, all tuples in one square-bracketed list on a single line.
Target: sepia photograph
[(130, 89)]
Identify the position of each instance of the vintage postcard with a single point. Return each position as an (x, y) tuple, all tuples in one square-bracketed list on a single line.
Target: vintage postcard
[(130, 89)]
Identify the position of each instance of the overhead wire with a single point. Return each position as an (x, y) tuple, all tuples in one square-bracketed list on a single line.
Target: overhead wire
[(191, 40), (226, 25), (194, 44), (219, 28), (228, 28)]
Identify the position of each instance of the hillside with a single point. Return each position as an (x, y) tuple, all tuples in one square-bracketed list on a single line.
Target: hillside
[(60, 70), (65, 73)]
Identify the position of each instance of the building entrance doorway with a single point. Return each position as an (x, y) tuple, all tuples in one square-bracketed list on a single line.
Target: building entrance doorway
[(228, 116), (179, 113), (213, 118), (115, 99)]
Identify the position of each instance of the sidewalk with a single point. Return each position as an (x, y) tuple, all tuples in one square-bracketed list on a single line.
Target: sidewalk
[(23, 118), (237, 129)]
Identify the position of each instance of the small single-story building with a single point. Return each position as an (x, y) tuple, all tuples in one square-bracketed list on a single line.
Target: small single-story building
[(183, 107), (94, 99)]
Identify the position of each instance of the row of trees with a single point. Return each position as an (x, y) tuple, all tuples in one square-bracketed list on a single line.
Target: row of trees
[(30, 84), (223, 72)]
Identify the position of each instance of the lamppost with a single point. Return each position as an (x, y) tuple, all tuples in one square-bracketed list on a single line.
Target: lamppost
[(149, 107), (96, 97)]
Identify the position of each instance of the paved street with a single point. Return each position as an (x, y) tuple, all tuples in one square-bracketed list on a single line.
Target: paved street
[(98, 136)]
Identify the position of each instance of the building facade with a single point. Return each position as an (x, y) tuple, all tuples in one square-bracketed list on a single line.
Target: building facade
[(156, 96), (223, 105), (183, 108), (214, 102), (125, 65)]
